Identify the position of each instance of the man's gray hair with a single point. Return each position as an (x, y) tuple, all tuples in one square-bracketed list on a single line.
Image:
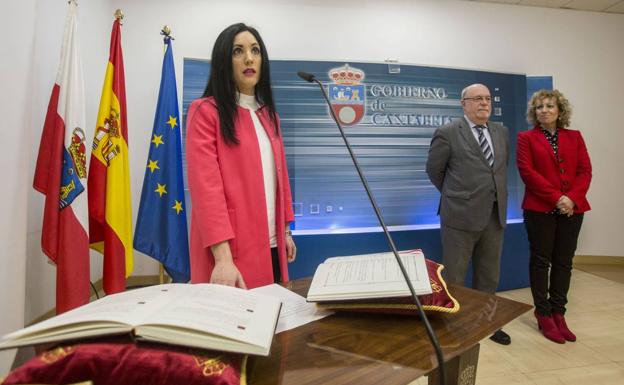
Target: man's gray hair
[(463, 93)]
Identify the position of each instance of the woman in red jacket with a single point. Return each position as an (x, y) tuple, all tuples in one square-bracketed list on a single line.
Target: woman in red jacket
[(237, 174), (556, 170)]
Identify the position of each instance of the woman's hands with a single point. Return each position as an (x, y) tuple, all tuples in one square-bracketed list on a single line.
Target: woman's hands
[(225, 271), (291, 249), (565, 205)]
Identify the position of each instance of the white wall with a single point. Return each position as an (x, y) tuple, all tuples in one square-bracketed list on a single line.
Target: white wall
[(15, 109), (582, 50)]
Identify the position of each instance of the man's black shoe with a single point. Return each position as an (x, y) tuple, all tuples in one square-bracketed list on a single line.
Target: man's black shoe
[(500, 337)]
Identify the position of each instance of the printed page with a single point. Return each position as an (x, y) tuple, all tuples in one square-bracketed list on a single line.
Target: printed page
[(219, 310), (369, 276), (224, 311), (108, 315), (296, 311)]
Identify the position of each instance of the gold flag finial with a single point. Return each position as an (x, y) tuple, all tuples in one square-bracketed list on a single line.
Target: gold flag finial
[(119, 15), (166, 32)]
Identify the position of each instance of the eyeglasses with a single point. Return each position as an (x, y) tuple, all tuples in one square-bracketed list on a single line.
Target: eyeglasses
[(480, 99)]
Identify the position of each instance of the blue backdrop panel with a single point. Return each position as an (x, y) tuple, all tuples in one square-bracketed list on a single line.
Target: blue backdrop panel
[(396, 113), (314, 249), (536, 83), (391, 140)]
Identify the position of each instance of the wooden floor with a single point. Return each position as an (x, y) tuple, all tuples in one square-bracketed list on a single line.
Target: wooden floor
[(595, 314)]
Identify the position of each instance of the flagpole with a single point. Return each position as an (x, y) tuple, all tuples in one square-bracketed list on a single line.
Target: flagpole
[(110, 211), (166, 32), (60, 175), (161, 228), (161, 273)]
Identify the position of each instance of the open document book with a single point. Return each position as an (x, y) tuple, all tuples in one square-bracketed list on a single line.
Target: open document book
[(369, 276), (370, 283), (204, 316)]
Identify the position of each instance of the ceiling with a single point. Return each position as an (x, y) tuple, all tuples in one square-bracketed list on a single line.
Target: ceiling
[(608, 6)]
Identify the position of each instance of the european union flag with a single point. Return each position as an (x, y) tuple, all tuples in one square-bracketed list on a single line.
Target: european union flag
[(161, 230)]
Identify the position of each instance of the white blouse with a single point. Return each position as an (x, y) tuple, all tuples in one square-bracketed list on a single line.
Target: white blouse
[(268, 162)]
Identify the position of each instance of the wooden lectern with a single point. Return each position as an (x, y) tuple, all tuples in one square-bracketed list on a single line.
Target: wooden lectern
[(364, 349)]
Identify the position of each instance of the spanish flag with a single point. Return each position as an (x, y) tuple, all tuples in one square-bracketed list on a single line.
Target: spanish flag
[(110, 223), (61, 175)]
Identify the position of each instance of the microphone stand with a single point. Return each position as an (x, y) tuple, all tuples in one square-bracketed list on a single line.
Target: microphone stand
[(434, 340)]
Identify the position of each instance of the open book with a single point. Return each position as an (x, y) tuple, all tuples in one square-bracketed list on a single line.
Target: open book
[(204, 316), (368, 279)]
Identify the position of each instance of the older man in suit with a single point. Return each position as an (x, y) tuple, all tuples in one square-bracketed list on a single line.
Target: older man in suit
[(468, 164)]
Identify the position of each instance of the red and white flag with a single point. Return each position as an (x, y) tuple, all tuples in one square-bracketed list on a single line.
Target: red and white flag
[(61, 175)]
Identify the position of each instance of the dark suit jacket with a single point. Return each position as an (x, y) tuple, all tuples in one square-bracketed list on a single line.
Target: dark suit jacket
[(469, 186), (547, 177)]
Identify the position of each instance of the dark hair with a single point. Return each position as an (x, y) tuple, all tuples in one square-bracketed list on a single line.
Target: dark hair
[(221, 83)]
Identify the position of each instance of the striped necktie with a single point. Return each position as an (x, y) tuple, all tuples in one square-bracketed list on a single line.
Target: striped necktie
[(485, 146)]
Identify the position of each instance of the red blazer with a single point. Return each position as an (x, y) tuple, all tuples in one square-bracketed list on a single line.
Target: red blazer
[(227, 194), (546, 177)]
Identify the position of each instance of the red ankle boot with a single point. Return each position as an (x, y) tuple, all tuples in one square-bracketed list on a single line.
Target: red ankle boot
[(563, 327), (547, 325)]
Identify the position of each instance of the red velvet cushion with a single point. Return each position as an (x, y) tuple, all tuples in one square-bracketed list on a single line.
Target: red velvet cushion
[(127, 363), (440, 300)]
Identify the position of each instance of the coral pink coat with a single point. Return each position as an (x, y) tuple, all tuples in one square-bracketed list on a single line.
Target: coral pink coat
[(227, 194)]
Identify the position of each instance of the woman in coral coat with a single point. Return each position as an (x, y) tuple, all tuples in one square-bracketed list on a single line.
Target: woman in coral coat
[(556, 170), (237, 174)]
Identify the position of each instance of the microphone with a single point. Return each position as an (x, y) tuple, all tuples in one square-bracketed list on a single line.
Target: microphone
[(434, 340), (308, 77)]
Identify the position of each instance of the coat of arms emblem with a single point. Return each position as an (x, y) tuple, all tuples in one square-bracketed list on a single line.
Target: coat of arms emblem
[(347, 95)]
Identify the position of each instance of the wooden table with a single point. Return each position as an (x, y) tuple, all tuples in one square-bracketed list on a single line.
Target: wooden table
[(363, 349)]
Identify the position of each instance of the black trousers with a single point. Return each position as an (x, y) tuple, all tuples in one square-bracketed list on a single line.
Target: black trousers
[(277, 275), (552, 240)]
